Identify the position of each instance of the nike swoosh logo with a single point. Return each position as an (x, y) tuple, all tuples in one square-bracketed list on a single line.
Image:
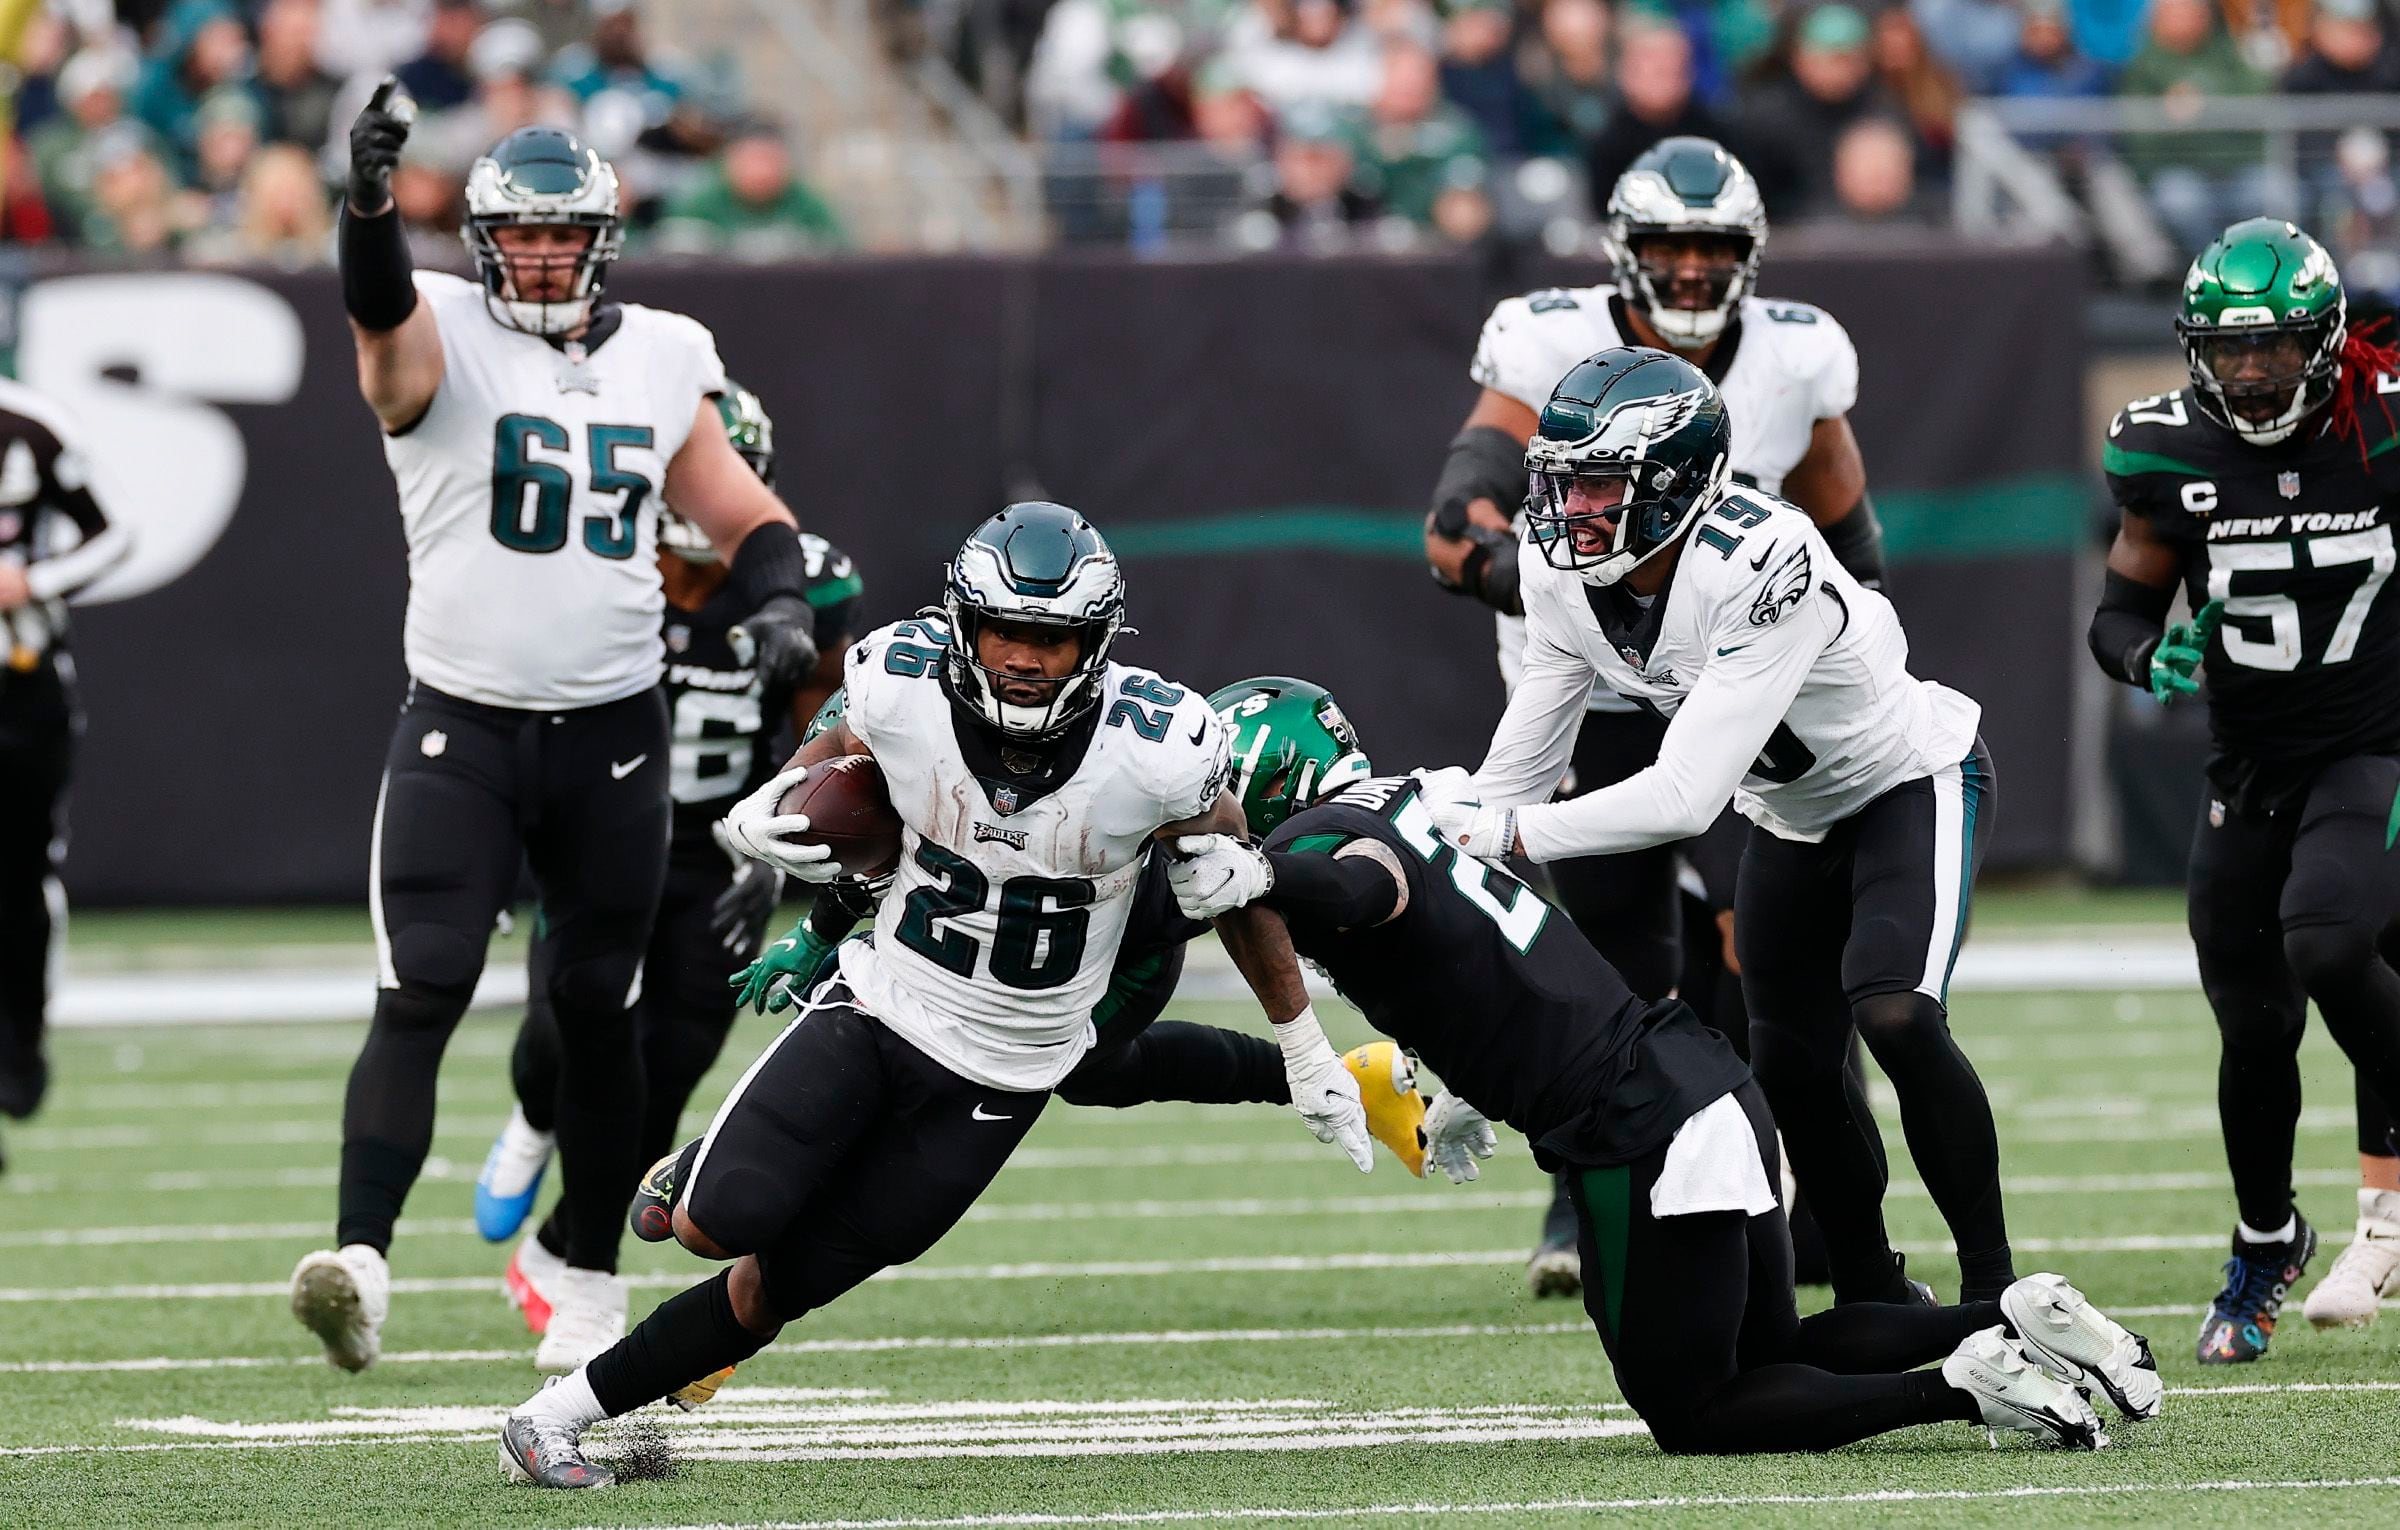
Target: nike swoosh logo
[(1736, 648), (1760, 561), (626, 768), (978, 1114), (1200, 732)]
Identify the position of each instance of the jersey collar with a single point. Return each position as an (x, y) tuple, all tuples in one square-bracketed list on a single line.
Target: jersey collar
[(1630, 630), (1024, 775), (607, 319)]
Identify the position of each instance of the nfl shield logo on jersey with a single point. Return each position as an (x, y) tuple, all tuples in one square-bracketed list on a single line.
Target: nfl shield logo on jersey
[(2288, 485), (1004, 799), (679, 639)]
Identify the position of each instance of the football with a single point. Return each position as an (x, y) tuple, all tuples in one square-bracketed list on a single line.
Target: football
[(849, 812)]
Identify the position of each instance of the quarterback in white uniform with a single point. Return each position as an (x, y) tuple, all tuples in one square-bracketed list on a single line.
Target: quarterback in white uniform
[(1787, 690), (533, 433), (1032, 777)]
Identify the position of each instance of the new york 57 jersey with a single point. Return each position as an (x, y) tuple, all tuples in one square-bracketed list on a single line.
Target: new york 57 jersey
[(996, 937)]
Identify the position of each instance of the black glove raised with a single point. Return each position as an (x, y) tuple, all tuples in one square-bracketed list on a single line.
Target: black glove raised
[(376, 139), (778, 640)]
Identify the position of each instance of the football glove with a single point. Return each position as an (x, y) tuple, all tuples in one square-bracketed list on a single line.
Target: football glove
[(785, 971), (1214, 874), (746, 904), (2181, 651), (1456, 1135), (1323, 1090), (778, 641), (376, 138), (755, 829), (1488, 833)]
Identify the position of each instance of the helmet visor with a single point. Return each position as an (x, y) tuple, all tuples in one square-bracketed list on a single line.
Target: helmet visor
[(1575, 513), (1689, 270)]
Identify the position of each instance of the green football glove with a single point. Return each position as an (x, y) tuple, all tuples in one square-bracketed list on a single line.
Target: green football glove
[(2180, 651), (788, 968)]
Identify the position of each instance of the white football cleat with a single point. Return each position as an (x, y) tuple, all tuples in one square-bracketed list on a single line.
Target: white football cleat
[(2078, 1343), (2353, 1290), (342, 1296), (531, 1274), (2013, 1392), (587, 1315)]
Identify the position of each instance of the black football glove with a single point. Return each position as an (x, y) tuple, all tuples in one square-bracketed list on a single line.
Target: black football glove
[(778, 640), (376, 139), (739, 916)]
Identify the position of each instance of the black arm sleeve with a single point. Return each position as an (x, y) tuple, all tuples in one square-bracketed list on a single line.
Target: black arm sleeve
[(2125, 629), (1337, 892), (378, 286), (1856, 541), (1485, 462), (769, 563)]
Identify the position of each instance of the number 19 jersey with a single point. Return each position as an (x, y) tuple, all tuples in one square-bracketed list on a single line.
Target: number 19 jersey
[(529, 493), (996, 937)]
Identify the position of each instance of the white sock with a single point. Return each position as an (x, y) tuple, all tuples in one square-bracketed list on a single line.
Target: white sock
[(568, 1401), (2283, 1234)]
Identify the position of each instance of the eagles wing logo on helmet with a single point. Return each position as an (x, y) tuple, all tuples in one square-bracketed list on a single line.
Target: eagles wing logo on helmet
[(1625, 433)]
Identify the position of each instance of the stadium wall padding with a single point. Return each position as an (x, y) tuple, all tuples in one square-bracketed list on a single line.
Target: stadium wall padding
[(1257, 437)]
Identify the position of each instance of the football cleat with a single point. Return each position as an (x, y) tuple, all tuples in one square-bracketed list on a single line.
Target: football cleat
[(653, 1215), (2258, 1279), (342, 1296), (1387, 1086), (694, 1395), (1556, 1268), (2078, 1343), (2353, 1290), (2012, 1391), (511, 1178), (533, 1271), (587, 1315), (546, 1451)]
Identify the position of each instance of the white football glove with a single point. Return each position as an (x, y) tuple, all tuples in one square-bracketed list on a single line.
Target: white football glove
[(1214, 874), (1456, 1135), (754, 829), (1324, 1091), (1488, 833)]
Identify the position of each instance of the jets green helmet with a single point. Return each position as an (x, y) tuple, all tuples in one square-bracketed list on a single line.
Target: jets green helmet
[(1633, 445), (753, 437), (836, 707), (1680, 188), (542, 177), (2262, 325), (1291, 745), (1034, 565)]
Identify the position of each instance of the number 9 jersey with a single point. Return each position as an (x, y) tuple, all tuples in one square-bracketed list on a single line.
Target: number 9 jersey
[(529, 493), (997, 936)]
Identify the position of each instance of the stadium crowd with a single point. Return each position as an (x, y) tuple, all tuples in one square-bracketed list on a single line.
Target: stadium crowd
[(214, 130)]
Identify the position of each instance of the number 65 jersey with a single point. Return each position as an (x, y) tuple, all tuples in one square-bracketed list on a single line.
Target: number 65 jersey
[(996, 937), (529, 492), (2296, 540)]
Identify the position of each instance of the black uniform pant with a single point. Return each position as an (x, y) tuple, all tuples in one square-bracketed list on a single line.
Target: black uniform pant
[(37, 743), (685, 1012), (1697, 1314), (470, 794), (1140, 1059), (2289, 906), (1858, 932)]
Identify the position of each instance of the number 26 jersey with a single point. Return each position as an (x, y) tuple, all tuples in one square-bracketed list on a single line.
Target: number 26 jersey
[(529, 494)]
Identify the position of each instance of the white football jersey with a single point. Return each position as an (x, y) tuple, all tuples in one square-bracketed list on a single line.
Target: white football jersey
[(997, 936), (1756, 580), (1784, 368), (530, 492)]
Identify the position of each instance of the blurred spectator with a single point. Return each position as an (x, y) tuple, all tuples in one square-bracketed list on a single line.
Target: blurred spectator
[(1875, 173), (2268, 32), (1229, 118), (370, 37), (286, 217), (751, 205), (2348, 52), (298, 95), (65, 150), (1313, 206), (1568, 76), (24, 215), (1414, 145), (2364, 221), (631, 98), (431, 202), (1479, 73), (1928, 93), (1727, 37), (1977, 38), (226, 130), (2046, 65), (42, 51), (506, 62), (201, 47), (1795, 121), (438, 77), (2109, 32), (2200, 181), (1655, 101), (1462, 214), (132, 209), (1322, 59)]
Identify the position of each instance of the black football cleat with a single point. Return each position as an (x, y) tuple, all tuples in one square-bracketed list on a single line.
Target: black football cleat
[(653, 1214), (2258, 1278)]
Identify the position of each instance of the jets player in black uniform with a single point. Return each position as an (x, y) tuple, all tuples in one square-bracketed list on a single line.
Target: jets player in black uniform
[(1664, 1138), (2266, 491), (729, 729)]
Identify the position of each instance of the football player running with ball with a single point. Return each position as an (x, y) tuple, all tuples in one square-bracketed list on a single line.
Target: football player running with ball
[(1786, 689), (1664, 1139), (1033, 777), (2266, 491), (532, 430), (1685, 231)]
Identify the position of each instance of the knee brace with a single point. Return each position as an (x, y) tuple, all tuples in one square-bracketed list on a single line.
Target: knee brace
[(437, 959)]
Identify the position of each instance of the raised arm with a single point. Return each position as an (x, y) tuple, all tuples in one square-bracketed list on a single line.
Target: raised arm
[(399, 346)]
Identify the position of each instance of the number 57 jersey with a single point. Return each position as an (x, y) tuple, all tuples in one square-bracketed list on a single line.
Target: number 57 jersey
[(2296, 540), (996, 937)]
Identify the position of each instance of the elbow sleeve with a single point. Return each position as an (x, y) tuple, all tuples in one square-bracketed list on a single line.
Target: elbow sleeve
[(1856, 541), (2125, 629), (770, 562)]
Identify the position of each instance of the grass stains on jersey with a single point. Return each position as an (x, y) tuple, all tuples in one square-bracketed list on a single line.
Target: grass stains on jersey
[(2298, 540), (1503, 996)]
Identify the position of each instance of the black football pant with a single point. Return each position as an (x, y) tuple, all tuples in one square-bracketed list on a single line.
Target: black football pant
[(1697, 1314), (471, 793), (2287, 907), (37, 743), (1858, 932), (685, 1012), (1140, 1059)]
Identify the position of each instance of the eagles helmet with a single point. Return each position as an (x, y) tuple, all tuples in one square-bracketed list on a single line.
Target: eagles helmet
[(1291, 745), (2262, 325), (542, 176), (1685, 186), (1034, 564), (1641, 418), (753, 437)]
